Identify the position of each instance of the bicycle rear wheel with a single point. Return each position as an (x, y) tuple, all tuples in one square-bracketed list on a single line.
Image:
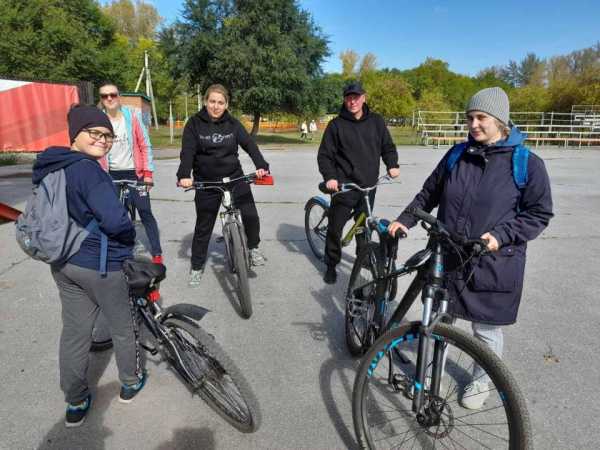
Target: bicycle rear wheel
[(241, 269), (207, 369), (315, 226), (384, 386)]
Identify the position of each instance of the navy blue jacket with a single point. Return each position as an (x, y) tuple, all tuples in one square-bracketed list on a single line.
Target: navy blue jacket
[(479, 195), (90, 195)]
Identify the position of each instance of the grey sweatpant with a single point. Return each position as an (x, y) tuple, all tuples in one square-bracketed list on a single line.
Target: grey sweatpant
[(83, 294)]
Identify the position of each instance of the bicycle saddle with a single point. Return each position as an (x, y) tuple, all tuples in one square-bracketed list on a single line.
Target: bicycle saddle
[(143, 275)]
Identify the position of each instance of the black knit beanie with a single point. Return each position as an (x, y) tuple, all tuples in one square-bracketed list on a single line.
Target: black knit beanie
[(81, 116)]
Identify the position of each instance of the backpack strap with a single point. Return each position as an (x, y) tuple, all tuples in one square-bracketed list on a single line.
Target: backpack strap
[(92, 226), (455, 154), (520, 158)]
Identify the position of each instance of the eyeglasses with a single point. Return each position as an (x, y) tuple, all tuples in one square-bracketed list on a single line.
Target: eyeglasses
[(97, 135), (109, 95)]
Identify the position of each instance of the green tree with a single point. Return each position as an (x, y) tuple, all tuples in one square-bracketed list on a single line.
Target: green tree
[(367, 64), (58, 40), (349, 59), (267, 53), (133, 19), (389, 94)]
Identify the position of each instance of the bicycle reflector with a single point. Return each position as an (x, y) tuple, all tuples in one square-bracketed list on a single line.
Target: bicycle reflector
[(267, 180), (153, 296)]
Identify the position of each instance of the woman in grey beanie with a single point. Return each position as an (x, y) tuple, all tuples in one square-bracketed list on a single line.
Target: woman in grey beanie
[(493, 188)]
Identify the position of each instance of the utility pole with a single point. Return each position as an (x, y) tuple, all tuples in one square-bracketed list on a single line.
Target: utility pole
[(149, 90)]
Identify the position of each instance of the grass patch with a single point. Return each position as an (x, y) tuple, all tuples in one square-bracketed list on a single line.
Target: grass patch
[(161, 139), (11, 159)]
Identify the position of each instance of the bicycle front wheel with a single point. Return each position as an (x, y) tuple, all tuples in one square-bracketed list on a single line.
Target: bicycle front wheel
[(315, 226), (385, 383), (241, 269), (203, 364), (360, 301)]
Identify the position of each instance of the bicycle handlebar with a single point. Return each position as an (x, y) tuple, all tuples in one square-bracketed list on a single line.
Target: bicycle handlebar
[(478, 245), (134, 184), (347, 187), (202, 185)]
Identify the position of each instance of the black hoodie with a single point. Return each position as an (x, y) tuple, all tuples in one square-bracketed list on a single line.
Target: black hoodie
[(211, 148), (351, 148)]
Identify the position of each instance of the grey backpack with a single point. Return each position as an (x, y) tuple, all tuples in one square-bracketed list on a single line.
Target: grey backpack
[(46, 231)]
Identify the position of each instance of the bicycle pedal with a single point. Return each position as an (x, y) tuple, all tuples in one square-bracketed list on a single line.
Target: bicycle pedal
[(152, 350)]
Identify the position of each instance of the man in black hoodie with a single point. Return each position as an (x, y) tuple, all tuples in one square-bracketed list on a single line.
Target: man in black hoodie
[(350, 150)]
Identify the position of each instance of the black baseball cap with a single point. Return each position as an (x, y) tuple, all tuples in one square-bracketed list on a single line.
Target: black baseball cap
[(354, 88)]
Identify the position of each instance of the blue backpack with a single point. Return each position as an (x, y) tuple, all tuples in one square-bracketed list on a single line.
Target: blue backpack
[(520, 157)]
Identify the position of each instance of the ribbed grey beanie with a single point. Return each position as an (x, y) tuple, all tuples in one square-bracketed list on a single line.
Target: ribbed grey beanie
[(493, 101)]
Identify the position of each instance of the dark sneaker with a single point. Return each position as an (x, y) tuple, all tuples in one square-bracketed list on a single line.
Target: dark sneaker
[(76, 413), (330, 275), (129, 391)]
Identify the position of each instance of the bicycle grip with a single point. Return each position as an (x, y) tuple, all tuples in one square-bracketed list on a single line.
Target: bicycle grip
[(422, 215)]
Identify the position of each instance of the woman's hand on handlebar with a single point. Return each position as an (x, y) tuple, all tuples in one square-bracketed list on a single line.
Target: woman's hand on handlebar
[(395, 226), (261, 173), (185, 182), (332, 185), (492, 242)]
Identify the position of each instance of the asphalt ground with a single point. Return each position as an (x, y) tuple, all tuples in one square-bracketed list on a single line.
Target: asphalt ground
[(292, 350)]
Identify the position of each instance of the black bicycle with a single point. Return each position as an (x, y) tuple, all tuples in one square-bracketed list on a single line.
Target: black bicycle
[(234, 235), (417, 383), (189, 350), (124, 190), (101, 339)]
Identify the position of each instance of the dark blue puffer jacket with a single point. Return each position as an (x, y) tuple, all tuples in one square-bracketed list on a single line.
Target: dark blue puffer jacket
[(479, 195), (90, 195)]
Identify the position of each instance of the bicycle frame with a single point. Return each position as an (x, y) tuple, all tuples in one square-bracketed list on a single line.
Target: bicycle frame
[(231, 213), (430, 267)]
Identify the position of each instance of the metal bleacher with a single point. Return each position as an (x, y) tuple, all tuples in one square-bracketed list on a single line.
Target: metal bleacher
[(580, 127)]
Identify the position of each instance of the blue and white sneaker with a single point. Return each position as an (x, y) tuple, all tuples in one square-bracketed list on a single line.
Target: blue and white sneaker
[(129, 391), (76, 412)]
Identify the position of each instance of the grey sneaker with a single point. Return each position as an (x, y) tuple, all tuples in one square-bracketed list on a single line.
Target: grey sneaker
[(195, 277), (256, 257)]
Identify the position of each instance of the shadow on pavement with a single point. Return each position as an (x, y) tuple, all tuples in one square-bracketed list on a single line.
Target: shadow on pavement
[(190, 439), (92, 434), (341, 367), (294, 240)]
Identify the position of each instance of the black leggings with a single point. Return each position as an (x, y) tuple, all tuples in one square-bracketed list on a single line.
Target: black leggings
[(207, 208)]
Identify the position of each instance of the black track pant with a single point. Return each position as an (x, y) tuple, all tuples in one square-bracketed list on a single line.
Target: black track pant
[(343, 206), (207, 208)]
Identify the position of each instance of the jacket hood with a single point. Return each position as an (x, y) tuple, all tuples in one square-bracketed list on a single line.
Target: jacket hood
[(516, 137), (203, 114), (53, 159), (345, 114)]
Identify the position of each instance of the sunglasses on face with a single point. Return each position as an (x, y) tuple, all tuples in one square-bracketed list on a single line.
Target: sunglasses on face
[(109, 95)]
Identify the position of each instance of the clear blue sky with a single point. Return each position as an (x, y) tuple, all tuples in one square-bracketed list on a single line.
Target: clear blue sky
[(469, 35)]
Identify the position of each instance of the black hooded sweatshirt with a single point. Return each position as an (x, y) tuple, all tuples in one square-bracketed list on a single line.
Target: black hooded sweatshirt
[(211, 148), (351, 148)]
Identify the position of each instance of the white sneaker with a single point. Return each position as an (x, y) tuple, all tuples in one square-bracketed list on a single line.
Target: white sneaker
[(256, 257), (475, 395), (195, 277)]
